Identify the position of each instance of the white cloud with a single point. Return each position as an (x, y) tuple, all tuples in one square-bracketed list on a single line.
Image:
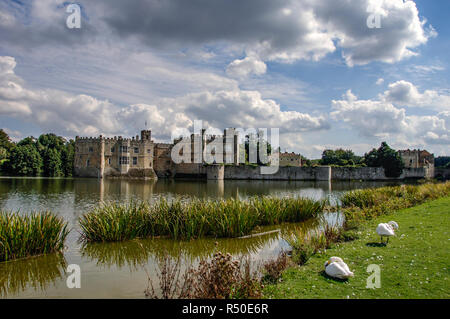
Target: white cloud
[(379, 118), (70, 114), (405, 93), (245, 67), (379, 81)]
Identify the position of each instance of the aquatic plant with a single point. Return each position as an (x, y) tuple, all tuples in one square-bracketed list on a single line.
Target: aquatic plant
[(27, 235), (193, 219)]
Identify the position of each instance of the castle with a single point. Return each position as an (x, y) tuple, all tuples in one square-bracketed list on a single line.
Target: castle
[(286, 159), (417, 158), (141, 157)]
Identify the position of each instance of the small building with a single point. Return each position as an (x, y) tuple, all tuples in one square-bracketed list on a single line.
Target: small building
[(417, 158), (286, 159)]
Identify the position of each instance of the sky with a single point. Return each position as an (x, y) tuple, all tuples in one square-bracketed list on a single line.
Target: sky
[(312, 68)]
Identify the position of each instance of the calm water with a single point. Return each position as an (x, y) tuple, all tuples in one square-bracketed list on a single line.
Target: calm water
[(119, 270)]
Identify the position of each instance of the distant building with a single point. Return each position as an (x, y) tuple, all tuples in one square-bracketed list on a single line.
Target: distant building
[(100, 156), (417, 158), (286, 159), (140, 157)]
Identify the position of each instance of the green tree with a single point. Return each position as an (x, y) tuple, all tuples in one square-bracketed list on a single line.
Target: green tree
[(52, 141), (387, 158), (255, 141), (339, 157), (67, 158), (52, 162), (5, 141), (441, 161), (6, 145), (25, 160)]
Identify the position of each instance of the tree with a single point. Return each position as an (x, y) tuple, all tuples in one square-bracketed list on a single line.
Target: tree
[(339, 157), (255, 140), (51, 148), (441, 161), (25, 160), (52, 163), (387, 158), (6, 145), (5, 141), (67, 158), (52, 141)]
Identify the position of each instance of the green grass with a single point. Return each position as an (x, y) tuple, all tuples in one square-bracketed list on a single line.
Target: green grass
[(28, 235), (193, 219), (413, 265)]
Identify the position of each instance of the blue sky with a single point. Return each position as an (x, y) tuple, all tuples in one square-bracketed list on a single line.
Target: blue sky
[(312, 68)]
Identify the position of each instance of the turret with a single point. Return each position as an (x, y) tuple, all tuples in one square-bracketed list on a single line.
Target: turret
[(146, 135)]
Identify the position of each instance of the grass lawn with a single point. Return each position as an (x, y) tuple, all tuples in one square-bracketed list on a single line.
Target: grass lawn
[(415, 263)]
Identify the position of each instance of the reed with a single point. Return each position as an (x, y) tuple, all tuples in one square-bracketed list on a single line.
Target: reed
[(361, 205), (404, 194), (27, 235), (193, 219)]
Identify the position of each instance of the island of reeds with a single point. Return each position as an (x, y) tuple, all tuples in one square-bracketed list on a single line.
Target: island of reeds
[(28, 235), (193, 219)]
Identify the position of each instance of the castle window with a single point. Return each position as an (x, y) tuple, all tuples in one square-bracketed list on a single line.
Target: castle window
[(112, 149), (136, 150), (123, 160), (109, 161), (124, 149), (87, 163), (149, 151), (134, 160), (91, 149)]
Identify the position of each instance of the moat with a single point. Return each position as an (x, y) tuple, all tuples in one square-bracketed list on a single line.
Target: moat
[(118, 270)]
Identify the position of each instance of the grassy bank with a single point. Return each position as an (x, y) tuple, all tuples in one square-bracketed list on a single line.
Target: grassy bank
[(34, 234), (362, 205), (193, 219), (413, 265)]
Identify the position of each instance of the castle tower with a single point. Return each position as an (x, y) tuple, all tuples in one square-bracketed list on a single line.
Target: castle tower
[(146, 135)]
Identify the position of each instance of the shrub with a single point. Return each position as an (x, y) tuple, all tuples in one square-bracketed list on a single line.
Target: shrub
[(220, 278), (275, 267)]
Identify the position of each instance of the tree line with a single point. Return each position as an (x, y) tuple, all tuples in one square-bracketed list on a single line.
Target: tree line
[(384, 156), (49, 155)]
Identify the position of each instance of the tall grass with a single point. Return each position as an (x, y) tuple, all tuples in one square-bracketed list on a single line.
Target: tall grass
[(28, 235), (408, 194), (194, 219), (365, 204)]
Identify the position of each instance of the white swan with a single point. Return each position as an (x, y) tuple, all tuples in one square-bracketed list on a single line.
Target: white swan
[(387, 230), (336, 268)]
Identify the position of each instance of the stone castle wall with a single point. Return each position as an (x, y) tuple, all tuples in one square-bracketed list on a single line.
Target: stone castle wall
[(320, 173)]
